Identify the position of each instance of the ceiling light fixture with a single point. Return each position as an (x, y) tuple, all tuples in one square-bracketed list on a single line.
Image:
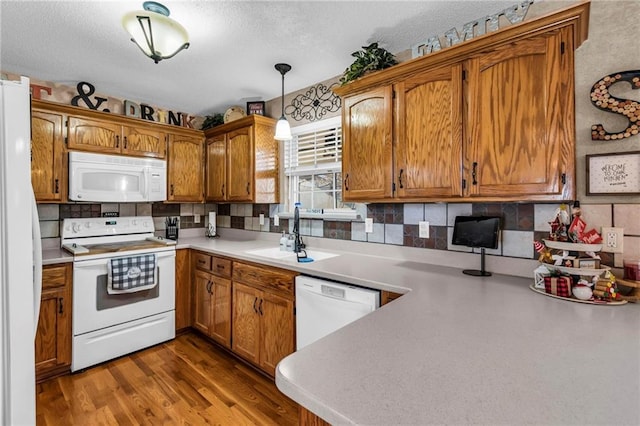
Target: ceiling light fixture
[(283, 130), (158, 36)]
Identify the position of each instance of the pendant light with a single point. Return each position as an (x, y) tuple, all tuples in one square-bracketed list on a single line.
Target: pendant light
[(283, 130), (158, 36)]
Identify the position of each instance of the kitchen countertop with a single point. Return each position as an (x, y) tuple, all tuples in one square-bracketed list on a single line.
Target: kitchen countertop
[(458, 349)]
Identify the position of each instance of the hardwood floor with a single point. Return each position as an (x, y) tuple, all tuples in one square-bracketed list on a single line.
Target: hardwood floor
[(187, 381)]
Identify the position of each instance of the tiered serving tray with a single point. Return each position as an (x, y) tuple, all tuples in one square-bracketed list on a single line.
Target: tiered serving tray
[(572, 299)]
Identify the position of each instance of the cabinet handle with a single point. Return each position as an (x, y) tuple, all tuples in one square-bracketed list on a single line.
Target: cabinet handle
[(60, 305), (400, 178), (474, 173), (260, 307), (171, 189), (209, 285), (117, 141), (223, 190), (202, 262), (346, 182), (57, 187), (125, 142), (254, 305), (248, 188)]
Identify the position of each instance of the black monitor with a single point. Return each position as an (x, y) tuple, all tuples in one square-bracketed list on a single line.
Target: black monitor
[(477, 231)]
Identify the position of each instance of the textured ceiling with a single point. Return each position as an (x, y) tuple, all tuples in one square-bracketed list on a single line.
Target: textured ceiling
[(234, 44)]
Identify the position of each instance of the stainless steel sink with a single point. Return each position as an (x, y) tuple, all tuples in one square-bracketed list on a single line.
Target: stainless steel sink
[(287, 256)]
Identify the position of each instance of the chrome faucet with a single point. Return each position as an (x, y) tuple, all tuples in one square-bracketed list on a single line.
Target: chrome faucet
[(298, 245)]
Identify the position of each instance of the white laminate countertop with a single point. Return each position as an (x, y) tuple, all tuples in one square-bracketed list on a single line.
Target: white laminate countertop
[(458, 349)]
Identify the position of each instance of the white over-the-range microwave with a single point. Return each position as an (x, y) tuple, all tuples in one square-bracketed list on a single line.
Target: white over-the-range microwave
[(115, 178)]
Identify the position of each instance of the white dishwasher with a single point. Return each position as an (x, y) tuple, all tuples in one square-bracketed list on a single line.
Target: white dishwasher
[(322, 307)]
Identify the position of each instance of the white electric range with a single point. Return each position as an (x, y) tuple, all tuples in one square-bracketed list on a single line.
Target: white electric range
[(108, 323)]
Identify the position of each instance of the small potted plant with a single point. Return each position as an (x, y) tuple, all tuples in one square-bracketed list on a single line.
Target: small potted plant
[(212, 121), (370, 58)]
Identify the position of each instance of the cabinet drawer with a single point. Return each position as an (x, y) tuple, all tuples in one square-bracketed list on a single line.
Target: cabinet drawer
[(268, 278), (221, 267), (54, 276), (203, 261)]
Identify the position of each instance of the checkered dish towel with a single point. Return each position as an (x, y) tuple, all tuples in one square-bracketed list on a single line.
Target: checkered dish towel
[(131, 274)]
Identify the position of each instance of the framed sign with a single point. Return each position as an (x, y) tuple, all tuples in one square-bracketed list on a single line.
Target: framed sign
[(617, 173), (256, 107)]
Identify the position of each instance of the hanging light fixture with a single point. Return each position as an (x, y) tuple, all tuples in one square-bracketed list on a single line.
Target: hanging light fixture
[(283, 130), (158, 36)]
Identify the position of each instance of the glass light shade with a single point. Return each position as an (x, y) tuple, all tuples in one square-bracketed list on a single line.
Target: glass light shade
[(158, 36), (283, 130)]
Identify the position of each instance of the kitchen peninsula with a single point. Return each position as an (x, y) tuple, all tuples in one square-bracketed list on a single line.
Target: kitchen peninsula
[(456, 349)]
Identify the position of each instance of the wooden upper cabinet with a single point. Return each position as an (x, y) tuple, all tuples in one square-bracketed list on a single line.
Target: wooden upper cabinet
[(216, 168), (367, 162), (521, 121), (185, 169), (94, 135), (47, 161), (143, 141), (243, 161), (490, 119), (429, 134), (241, 166)]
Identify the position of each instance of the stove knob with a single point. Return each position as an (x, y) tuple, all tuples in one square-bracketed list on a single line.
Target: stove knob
[(134, 222), (75, 227), (145, 223)]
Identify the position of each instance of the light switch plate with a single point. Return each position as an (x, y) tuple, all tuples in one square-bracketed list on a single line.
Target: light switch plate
[(368, 225), (261, 219), (276, 220), (423, 229), (196, 218)]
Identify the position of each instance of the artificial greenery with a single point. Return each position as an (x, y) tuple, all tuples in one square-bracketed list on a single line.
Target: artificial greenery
[(370, 58), (212, 121)]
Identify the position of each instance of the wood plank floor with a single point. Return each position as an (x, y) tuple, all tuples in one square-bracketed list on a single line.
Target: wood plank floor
[(187, 381)]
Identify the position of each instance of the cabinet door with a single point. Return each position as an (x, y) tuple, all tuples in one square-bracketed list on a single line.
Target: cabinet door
[(429, 134), (46, 156), (53, 337), (277, 330), (186, 169), (520, 119), (220, 328), (367, 162), (246, 322), (144, 142), (94, 135), (202, 301), (216, 172), (183, 289), (240, 169)]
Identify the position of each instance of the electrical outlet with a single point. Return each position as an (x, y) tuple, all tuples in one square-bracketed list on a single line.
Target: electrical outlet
[(368, 225), (276, 220), (612, 240), (423, 229), (261, 219), (196, 218)]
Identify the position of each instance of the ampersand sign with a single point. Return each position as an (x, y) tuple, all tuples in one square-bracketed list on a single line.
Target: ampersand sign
[(602, 99), (85, 90)]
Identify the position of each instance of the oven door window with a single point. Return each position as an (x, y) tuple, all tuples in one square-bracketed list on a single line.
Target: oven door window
[(105, 300)]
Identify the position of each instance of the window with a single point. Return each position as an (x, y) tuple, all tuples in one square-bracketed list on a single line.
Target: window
[(313, 166)]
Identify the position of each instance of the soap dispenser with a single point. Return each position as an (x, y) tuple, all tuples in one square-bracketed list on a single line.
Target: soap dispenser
[(283, 242)]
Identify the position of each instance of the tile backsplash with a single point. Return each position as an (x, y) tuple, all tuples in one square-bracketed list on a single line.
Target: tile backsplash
[(394, 224)]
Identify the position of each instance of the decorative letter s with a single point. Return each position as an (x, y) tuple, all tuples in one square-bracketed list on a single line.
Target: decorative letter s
[(602, 99)]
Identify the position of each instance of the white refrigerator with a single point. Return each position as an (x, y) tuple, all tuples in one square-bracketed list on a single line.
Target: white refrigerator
[(20, 257)]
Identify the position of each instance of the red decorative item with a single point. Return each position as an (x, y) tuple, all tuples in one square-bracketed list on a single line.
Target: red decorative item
[(576, 228), (558, 286), (591, 237)]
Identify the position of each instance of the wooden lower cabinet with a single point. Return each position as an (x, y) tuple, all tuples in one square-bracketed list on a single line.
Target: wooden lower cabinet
[(388, 297), (263, 315), (212, 308), (53, 337), (183, 289)]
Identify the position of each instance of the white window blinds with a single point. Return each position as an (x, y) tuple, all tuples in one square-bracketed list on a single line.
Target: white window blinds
[(315, 147)]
